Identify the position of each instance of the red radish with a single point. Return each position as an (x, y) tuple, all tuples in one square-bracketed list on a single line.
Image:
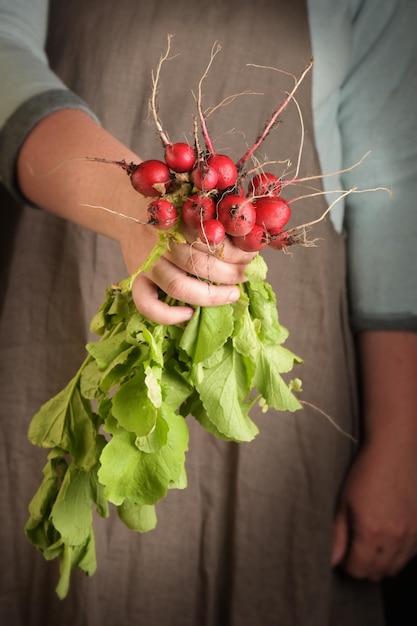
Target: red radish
[(255, 240), (204, 177), (180, 157), (162, 214), (237, 214), (272, 213), (212, 233), (198, 208), (226, 170), (151, 178), (265, 183)]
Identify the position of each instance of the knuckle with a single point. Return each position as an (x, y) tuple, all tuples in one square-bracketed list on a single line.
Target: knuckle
[(199, 263), (176, 288)]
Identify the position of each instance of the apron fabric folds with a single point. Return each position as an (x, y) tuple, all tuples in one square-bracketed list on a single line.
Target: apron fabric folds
[(248, 542)]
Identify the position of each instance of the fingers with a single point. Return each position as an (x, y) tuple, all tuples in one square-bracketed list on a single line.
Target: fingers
[(225, 266), (367, 553), (365, 560), (145, 297), (178, 285), (191, 274), (377, 557)]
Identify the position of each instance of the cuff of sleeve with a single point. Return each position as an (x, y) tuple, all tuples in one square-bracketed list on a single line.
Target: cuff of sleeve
[(399, 322), (22, 121)]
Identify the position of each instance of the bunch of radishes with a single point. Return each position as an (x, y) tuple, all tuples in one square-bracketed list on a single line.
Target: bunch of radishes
[(210, 192), (207, 193)]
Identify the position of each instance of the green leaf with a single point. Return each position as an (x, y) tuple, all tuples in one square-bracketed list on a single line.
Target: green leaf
[(119, 368), (138, 517), (246, 337), (127, 472), (39, 529), (99, 321), (263, 307), (90, 381), (207, 331), (85, 442), (105, 350), (257, 269), (268, 380), (222, 385), (66, 421), (72, 513), (156, 439), (121, 307), (153, 385), (47, 428), (132, 407), (82, 556), (175, 384)]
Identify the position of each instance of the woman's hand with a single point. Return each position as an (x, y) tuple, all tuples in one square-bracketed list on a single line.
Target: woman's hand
[(188, 272), (376, 524), (375, 530)]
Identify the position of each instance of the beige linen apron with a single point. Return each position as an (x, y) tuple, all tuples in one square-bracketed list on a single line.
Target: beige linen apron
[(248, 542)]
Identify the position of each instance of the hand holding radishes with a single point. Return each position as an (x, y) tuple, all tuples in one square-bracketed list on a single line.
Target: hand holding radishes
[(188, 274)]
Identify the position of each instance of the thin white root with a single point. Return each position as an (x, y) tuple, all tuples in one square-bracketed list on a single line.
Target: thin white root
[(214, 52), (228, 100), (104, 208), (240, 163), (155, 82), (343, 194), (330, 419), (60, 165), (305, 179), (274, 69), (300, 149), (259, 167)]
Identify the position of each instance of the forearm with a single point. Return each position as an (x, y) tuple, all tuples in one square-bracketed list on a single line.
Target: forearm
[(53, 174), (389, 397)]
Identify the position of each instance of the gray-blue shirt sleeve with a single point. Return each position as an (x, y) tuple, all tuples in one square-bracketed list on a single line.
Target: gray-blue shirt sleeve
[(29, 89), (378, 113)]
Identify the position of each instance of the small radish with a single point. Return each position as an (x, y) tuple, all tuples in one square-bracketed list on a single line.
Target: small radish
[(204, 177), (162, 214), (151, 178), (272, 213), (226, 170), (237, 214), (265, 183), (180, 157), (198, 208), (212, 233), (255, 240)]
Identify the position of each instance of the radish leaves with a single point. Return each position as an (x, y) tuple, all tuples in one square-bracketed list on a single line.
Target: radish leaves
[(118, 431)]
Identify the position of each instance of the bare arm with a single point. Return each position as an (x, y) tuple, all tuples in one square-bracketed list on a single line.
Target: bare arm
[(52, 173), (376, 524)]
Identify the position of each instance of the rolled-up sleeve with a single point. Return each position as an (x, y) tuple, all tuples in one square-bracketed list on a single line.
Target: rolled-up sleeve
[(30, 90), (378, 114)]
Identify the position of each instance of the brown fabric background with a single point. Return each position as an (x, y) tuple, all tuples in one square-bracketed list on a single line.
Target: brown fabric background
[(248, 542)]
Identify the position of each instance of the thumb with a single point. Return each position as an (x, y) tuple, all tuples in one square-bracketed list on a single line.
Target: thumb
[(340, 537)]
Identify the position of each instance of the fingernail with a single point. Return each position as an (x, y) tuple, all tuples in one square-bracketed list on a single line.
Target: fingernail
[(234, 295), (188, 313)]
